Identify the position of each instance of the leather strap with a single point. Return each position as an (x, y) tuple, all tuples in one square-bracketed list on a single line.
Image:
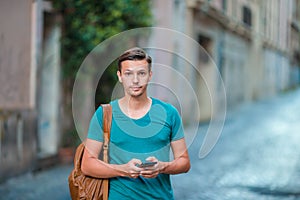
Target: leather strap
[(107, 118)]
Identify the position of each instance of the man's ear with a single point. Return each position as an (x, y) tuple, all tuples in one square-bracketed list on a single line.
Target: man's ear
[(150, 75), (119, 76)]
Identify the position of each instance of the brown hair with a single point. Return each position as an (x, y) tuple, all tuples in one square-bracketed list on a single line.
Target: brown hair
[(135, 53)]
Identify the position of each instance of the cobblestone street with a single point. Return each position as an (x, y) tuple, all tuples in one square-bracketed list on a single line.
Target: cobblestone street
[(50, 184), (256, 157)]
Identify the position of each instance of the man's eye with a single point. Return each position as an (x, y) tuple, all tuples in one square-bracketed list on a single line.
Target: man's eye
[(127, 73), (142, 73)]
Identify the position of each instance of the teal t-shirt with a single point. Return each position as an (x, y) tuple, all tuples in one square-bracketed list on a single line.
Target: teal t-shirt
[(140, 138)]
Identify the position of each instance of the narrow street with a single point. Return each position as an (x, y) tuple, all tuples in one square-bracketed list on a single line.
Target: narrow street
[(256, 157)]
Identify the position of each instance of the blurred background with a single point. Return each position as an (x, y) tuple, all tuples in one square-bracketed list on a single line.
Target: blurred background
[(255, 45)]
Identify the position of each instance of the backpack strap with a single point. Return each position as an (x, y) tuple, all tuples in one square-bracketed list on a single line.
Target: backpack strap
[(107, 118)]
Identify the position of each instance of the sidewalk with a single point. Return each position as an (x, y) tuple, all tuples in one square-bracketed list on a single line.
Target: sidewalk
[(50, 184), (256, 158)]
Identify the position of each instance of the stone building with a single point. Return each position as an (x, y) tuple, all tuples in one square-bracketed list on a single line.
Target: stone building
[(254, 44), (29, 79)]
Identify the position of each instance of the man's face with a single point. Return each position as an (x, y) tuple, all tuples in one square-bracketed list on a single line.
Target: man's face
[(134, 76)]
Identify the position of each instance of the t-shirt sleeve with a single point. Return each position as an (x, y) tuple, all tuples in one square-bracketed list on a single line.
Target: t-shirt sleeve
[(95, 131), (177, 125)]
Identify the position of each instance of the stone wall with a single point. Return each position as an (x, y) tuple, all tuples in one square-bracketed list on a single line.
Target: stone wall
[(17, 143)]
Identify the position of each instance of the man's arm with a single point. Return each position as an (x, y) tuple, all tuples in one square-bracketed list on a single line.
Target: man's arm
[(180, 164), (94, 167)]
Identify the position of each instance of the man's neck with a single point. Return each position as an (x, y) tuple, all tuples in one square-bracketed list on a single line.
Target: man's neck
[(135, 103), (135, 107)]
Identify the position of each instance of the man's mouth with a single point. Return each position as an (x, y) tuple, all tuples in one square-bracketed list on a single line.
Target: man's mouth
[(136, 87)]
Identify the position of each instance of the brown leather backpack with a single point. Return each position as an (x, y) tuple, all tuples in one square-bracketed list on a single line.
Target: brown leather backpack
[(85, 187)]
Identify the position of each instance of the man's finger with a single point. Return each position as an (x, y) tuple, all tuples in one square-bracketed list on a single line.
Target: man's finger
[(151, 158)]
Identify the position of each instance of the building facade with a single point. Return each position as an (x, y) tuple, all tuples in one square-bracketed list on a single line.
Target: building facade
[(254, 44), (30, 79)]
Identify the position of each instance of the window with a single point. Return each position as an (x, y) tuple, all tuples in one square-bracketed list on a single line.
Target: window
[(224, 5), (205, 42), (247, 16)]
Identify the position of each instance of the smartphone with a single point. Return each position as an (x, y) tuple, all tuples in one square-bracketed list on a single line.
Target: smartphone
[(146, 164)]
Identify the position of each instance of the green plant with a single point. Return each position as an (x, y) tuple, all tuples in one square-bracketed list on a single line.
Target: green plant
[(85, 24)]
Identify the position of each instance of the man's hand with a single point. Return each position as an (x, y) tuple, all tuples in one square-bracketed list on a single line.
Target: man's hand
[(152, 171), (130, 169)]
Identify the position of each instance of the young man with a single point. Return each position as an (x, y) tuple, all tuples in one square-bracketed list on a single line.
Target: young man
[(143, 129)]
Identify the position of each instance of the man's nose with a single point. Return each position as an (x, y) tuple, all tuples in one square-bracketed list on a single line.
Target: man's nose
[(135, 78)]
